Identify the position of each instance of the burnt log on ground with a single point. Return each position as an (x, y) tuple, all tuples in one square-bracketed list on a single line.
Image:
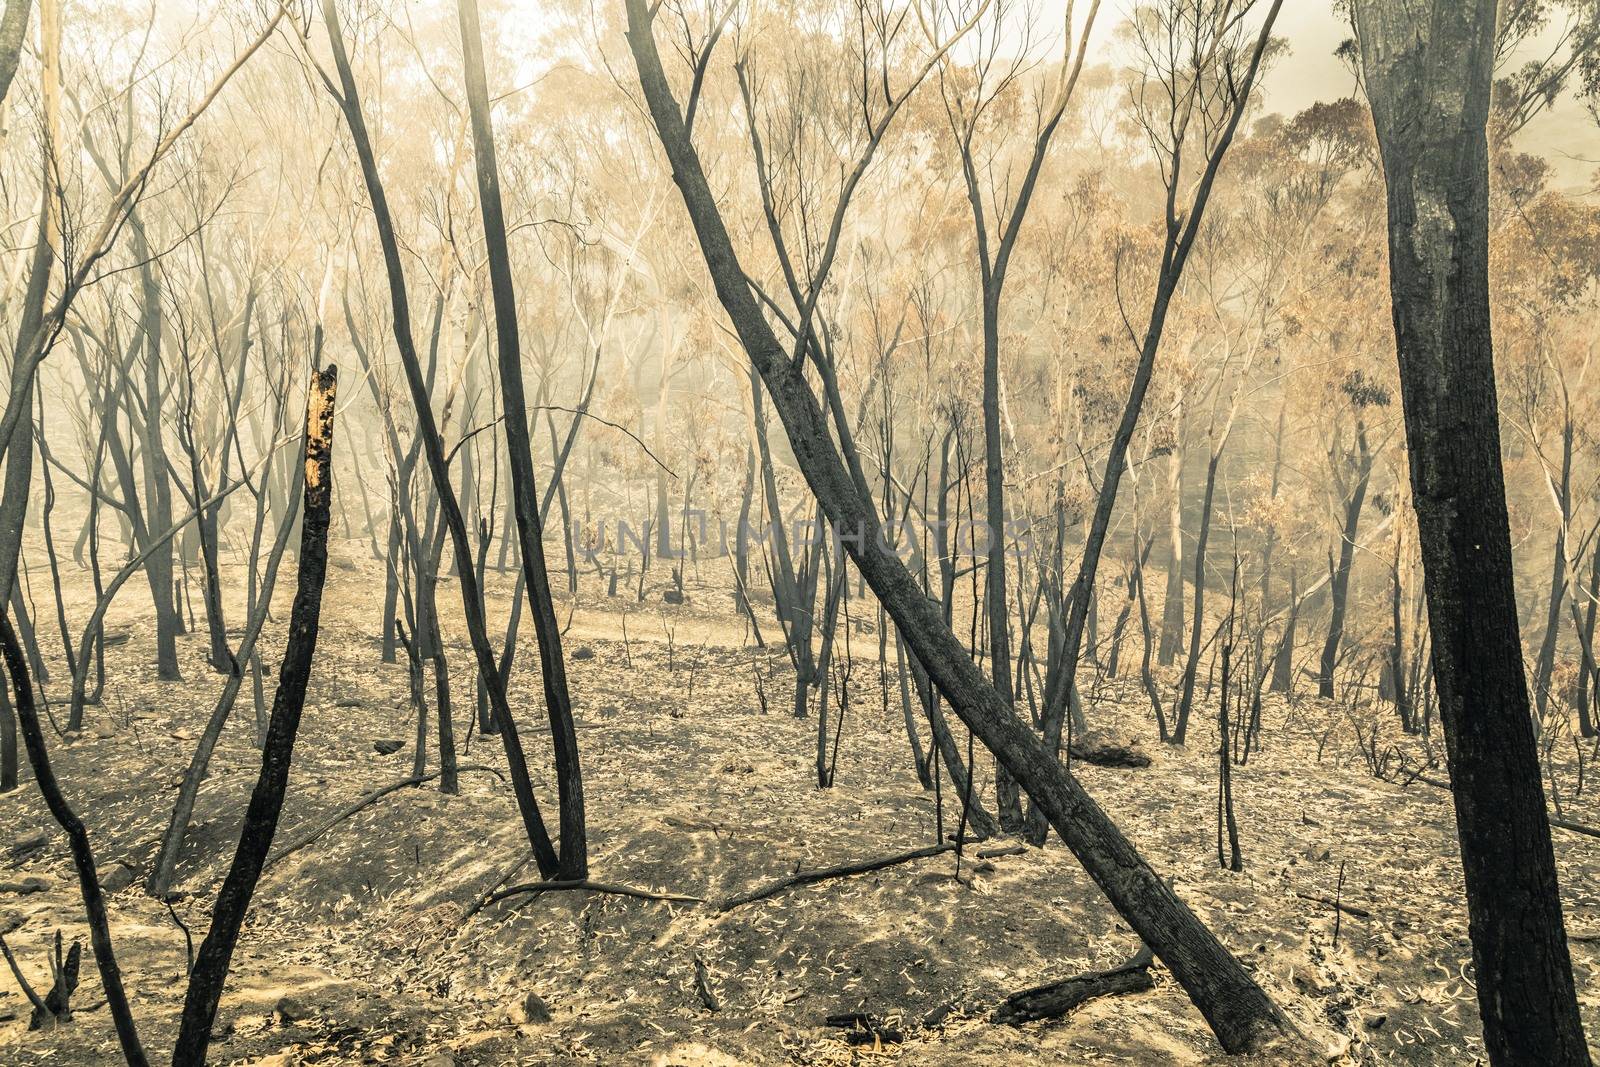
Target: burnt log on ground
[(842, 870), (863, 1029), (1106, 752), (1054, 999)]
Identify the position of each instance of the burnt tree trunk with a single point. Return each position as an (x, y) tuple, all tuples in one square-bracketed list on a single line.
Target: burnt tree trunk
[(524, 488), (1191, 666), (1544, 666), (1339, 586), (471, 594), (1240, 1013), (1428, 76), (212, 960)]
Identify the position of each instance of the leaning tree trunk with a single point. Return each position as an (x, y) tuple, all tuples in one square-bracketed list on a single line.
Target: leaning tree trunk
[(19, 459), (1339, 585), (1428, 74), (1240, 1013), (530, 533), (13, 29), (83, 862), (211, 962), (438, 467), (1544, 666)]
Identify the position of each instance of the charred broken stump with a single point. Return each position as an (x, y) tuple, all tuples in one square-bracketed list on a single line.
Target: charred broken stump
[(863, 1029), (215, 954), (1105, 752), (702, 986), (1055, 999), (64, 974), (55, 1007)]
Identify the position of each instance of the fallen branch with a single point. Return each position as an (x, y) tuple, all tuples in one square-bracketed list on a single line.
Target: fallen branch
[(1102, 753), (502, 880), (996, 853), (1559, 824), (296, 844), (842, 870), (1054, 999), (1348, 909), (862, 1029), (585, 885), (1575, 827)]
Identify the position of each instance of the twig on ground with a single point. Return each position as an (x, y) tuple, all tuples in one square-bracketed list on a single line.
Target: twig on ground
[(585, 885), (297, 843), (1348, 909), (799, 878)]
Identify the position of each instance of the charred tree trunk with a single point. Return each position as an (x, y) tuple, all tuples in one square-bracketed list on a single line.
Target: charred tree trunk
[(1240, 1013), (1172, 601), (94, 904), (1428, 74), (215, 955), (1544, 666), (1191, 666), (524, 488), (19, 457), (1283, 659), (1339, 586), (1589, 674), (471, 595)]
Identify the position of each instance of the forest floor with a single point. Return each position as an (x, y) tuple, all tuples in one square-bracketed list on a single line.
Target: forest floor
[(358, 949)]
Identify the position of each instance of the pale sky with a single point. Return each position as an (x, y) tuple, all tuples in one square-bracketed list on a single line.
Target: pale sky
[(1567, 135)]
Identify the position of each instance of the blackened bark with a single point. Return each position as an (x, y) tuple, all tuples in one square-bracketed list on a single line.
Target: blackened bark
[(1339, 586), (1589, 675), (94, 904), (13, 28), (471, 595), (157, 476), (1544, 666), (1240, 1013), (1180, 730), (1172, 601), (8, 745), (552, 665), (1428, 75), (211, 962)]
